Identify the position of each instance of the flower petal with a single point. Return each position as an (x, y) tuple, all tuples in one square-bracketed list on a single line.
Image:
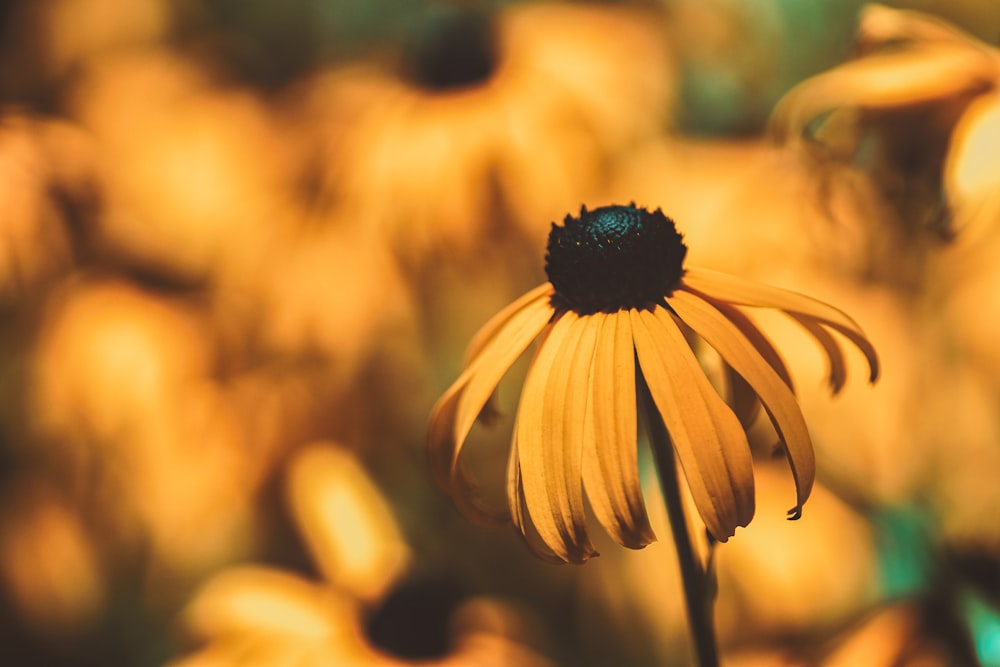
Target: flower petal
[(753, 334), (515, 503), (777, 398), (881, 26), (455, 412), (610, 444), (709, 440), (441, 432), (741, 397), (737, 291), (919, 74), (488, 332), (515, 490), (441, 453), (494, 360), (834, 354), (549, 432)]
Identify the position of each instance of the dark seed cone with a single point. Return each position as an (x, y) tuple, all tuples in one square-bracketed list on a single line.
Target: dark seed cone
[(614, 258)]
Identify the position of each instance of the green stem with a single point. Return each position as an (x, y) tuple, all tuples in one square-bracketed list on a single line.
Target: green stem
[(697, 593)]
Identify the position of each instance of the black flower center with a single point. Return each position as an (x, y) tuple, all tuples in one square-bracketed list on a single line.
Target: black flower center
[(614, 258)]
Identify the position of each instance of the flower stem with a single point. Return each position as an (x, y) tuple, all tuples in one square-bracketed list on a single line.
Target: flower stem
[(697, 592)]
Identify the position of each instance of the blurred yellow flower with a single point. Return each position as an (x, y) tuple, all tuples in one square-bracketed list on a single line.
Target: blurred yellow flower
[(616, 311), (329, 290), (559, 89), (916, 76), (252, 615), (193, 199), (122, 394)]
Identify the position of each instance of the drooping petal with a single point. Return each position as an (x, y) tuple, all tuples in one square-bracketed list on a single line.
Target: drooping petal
[(573, 378), (441, 459), (753, 334), (549, 434), (610, 450), (515, 503), (456, 410), (778, 400), (515, 492), (741, 397), (488, 331), (441, 432), (569, 389), (709, 440), (893, 79), (494, 360), (741, 292), (881, 26), (837, 375)]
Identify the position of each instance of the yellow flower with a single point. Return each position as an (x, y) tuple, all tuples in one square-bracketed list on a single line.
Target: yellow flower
[(615, 312), (900, 115), (524, 118), (256, 615)]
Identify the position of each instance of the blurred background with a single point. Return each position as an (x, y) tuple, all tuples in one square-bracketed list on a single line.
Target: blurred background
[(243, 244)]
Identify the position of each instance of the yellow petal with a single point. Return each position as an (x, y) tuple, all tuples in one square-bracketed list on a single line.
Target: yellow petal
[(488, 331), (347, 524), (515, 493), (892, 79), (887, 26), (549, 435), (441, 459), (777, 398), (515, 503), (611, 460), (440, 432), (753, 334), (573, 379), (741, 397), (707, 437), (530, 440), (720, 286), (834, 354), (971, 172), (495, 359), (265, 601), (455, 412)]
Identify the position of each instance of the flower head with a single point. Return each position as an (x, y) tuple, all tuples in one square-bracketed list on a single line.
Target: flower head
[(256, 615), (911, 115), (617, 308), (521, 107)]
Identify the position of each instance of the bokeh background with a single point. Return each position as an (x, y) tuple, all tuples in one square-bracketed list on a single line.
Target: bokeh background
[(243, 244)]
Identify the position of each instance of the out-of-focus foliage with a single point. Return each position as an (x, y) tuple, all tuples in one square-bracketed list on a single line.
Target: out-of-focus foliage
[(244, 244)]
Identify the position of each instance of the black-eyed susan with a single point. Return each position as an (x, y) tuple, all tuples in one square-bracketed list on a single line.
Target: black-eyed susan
[(616, 314), (916, 76), (256, 615), (519, 110)]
